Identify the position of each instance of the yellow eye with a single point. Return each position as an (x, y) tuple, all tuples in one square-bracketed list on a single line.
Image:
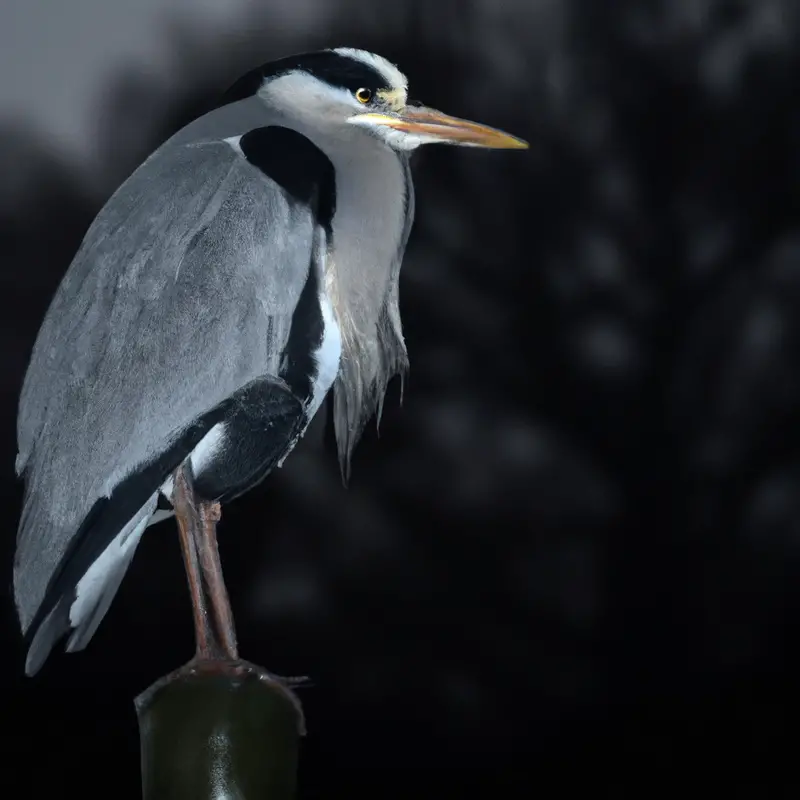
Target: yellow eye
[(364, 95)]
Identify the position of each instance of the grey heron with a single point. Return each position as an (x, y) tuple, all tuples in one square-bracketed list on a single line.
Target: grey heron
[(245, 270)]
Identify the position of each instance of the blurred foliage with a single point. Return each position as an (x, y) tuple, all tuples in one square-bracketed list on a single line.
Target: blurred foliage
[(578, 538)]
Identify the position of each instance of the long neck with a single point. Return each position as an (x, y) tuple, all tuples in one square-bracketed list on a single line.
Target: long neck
[(371, 224), (374, 212), (368, 232)]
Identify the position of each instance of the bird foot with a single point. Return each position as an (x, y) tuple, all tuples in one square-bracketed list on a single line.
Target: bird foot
[(234, 670), (238, 669)]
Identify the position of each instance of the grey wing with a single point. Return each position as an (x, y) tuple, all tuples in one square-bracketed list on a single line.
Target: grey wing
[(181, 293)]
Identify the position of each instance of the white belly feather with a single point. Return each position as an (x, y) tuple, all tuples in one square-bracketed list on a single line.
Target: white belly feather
[(326, 356)]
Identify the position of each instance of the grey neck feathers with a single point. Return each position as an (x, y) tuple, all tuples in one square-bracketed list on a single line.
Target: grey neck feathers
[(374, 212)]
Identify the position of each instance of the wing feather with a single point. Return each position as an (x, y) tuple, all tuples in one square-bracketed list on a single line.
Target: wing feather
[(182, 293)]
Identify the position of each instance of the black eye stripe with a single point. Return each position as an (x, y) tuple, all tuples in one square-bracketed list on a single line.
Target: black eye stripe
[(344, 72), (333, 68)]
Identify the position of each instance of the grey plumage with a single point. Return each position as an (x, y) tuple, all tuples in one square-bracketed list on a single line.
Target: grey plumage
[(248, 267), (370, 360), (375, 192), (178, 303)]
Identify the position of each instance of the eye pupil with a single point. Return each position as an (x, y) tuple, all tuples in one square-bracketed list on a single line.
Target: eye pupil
[(363, 95)]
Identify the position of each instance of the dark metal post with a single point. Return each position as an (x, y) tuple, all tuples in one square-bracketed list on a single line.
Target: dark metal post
[(216, 730)]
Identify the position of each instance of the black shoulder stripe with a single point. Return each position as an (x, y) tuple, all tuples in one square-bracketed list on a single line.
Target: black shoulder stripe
[(296, 164)]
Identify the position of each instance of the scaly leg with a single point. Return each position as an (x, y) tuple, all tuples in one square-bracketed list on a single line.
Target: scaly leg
[(197, 525), (210, 514)]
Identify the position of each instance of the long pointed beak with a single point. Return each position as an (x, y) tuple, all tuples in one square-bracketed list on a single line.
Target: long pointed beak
[(434, 126)]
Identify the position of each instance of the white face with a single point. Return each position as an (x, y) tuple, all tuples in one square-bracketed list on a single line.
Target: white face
[(379, 110), (319, 106)]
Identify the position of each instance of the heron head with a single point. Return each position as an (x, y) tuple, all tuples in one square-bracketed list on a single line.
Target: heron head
[(344, 90)]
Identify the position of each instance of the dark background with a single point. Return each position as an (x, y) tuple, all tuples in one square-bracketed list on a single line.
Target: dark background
[(574, 551)]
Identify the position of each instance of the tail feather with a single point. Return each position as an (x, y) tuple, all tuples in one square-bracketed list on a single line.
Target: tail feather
[(98, 587), (51, 629), (81, 588), (81, 606)]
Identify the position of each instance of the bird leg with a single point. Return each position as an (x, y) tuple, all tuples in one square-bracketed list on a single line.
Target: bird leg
[(197, 527), (210, 514)]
